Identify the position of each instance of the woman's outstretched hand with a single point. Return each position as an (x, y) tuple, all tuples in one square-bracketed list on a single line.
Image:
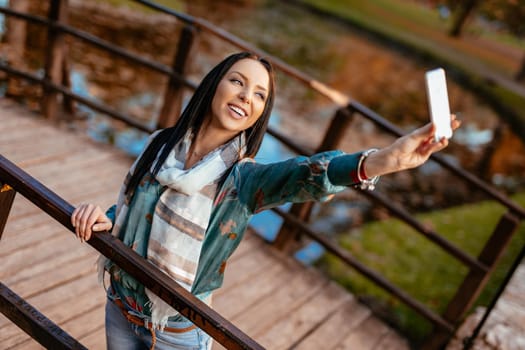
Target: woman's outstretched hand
[(88, 218), (409, 151)]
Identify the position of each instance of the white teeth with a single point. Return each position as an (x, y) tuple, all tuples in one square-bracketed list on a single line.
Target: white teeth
[(237, 110)]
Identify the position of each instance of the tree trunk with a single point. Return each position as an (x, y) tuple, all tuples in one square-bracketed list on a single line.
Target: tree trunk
[(464, 11)]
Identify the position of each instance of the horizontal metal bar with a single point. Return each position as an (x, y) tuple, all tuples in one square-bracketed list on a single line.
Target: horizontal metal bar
[(368, 273), (31, 321), (152, 278)]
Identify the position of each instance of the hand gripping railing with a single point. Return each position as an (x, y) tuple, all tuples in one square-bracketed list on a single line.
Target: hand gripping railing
[(15, 180)]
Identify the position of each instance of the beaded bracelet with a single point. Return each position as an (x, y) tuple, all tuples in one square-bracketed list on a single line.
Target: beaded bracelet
[(365, 182)]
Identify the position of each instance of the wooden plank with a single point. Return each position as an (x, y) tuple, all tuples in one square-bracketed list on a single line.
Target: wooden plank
[(35, 323), (47, 149), (56, 305), (277, 305), (305, 318), (244, 268), (104, 194), (333, 330), (366, 336), (96, 339), (68, 171), (22, 233), (52, 277), (21, 134), (87, 323), (28, 344), (40, 253), (235, 301), (392, 341)]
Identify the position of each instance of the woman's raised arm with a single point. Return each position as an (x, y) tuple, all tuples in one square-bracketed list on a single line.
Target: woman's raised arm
[(406, 152)]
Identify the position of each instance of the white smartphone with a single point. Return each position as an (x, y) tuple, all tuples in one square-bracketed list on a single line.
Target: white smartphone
[(439, 109)]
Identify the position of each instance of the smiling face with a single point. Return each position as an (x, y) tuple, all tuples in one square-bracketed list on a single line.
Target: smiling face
[(240, 97)]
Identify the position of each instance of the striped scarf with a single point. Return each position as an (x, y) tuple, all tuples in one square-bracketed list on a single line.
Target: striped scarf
[(182, 215)]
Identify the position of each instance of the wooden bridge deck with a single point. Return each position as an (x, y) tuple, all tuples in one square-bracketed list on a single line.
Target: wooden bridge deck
[(271, 297)]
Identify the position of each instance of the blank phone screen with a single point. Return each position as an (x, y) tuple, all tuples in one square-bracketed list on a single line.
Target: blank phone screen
[(438, 102)]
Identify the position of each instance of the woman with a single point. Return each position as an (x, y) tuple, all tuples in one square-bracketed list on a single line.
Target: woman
[(189, 196)]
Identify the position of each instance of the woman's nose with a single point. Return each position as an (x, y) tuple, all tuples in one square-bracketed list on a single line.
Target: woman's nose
[(244, 96)]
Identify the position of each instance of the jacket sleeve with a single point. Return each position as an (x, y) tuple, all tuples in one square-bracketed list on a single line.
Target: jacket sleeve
[(300, 179), (110, 213)]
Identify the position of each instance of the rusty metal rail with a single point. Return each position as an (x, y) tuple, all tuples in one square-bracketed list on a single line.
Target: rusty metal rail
[(13, 179)]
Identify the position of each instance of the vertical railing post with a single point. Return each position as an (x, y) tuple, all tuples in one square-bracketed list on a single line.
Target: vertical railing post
[(172, 106), (16, 30), (55, 56), (288, 238), (7, 196), (475, 280)]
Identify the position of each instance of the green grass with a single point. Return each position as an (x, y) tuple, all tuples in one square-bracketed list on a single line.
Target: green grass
[(422, 269)]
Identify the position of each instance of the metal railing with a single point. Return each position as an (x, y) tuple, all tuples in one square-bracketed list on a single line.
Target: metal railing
[(294, 222), (14, 180)]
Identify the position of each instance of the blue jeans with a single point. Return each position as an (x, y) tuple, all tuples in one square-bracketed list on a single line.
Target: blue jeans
[(123, 335)]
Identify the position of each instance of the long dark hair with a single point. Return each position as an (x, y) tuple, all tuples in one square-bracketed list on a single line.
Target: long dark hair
[(193, 117)]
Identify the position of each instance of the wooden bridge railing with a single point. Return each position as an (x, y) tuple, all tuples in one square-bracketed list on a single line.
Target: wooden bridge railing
[(294, 223), (14, 180), (479, 267)]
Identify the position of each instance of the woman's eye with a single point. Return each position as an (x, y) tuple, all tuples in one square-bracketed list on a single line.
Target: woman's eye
[(236, 81), (261, 95)]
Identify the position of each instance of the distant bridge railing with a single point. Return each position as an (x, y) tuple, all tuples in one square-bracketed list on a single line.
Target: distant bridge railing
[(54, 83)]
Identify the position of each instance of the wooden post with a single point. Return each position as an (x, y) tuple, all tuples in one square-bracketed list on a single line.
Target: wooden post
[(7, 196), (288, 238), (475, 280), (69, 103), (172, 107), (54, 58), (15, 37), (16, 29)]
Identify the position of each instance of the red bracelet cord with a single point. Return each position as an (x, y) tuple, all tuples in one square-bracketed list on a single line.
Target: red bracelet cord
[(362, 174)]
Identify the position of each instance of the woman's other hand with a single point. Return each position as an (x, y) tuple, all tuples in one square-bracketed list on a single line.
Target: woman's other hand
[(409, 151), (88, 218)]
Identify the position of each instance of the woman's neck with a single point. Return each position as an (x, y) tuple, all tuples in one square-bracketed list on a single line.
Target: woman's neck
[(205, 141)]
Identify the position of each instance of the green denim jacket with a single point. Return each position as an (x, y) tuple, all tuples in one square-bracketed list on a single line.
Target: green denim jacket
[(249, 188)]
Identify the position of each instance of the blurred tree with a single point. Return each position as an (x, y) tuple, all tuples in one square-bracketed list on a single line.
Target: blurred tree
[(510, 15), (463, 11)]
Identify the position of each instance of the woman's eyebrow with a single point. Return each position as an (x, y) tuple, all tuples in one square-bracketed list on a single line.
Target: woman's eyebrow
[(246, 78)]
